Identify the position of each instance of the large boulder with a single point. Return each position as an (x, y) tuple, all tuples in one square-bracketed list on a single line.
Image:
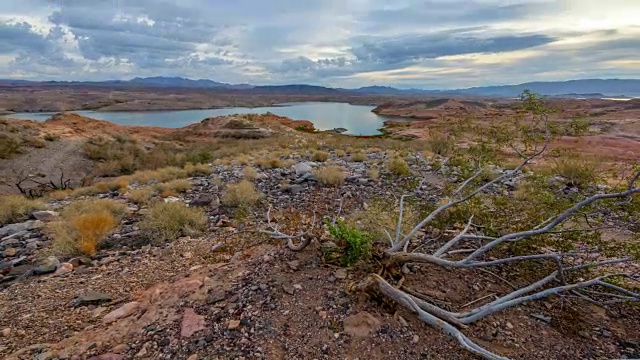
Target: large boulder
[(302, 169), (45, 215)]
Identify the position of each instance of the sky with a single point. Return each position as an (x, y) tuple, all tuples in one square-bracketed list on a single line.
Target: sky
[(428, 44)]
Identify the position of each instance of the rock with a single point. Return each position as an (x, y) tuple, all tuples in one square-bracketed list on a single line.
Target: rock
[(45, 216), (120, 349), (233, 324), (341, 274), (13, 228), (193, 357), (415, 339), (329, 245), (544, 318), (10, 252), (205, 200), (293, 265), (63, 269), (78, 261), (288, 288), (44, 269), (302, 169), (108, 356), (5, 332), (191, 323), (171, 199), (361, 324), (91, 298), (122, 312), (509, 325), (13, 239), (294, 189), (216, 296)]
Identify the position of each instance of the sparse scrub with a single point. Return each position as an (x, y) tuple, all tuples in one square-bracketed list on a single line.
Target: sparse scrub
[(398, 166), (320, 156), (358, 156), (578, 172), (51, 137), (9, 145), (270, 163), (329, 175), (440, 144), (140, 196), (14, 208), (34, 141), (198, 169), (250, 173), (172, 188), (169, 221), (340, 153), (241, 194), (83, 225), (59, 194), (374, 174)]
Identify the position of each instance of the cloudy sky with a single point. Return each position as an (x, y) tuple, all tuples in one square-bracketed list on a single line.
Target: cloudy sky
[(342, 43)]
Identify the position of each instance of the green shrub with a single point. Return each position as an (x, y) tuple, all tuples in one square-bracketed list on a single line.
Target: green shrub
[(357, 243), (168, 221), (241, 194)]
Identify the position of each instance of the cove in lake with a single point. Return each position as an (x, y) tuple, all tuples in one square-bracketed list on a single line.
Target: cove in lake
[(357, 119)]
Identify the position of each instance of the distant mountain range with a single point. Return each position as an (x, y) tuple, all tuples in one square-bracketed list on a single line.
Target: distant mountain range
[(572, 88)]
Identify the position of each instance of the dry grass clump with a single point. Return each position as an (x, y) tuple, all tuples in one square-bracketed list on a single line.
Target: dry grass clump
[(243, 159), (140, 196), (250, 173), (83, 225), (578, 171), (398, 166), (172, 188), (121, 184), (59, 194), (329, 175), (340, 153), (198, 169), (161, 175), (320, 156), (243, 193), (169, 221), (10, 145), (14, 208), (374, 174), (270, 163), (358, 156)]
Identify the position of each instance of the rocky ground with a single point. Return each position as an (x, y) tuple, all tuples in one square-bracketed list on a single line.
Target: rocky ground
[(249, 297)]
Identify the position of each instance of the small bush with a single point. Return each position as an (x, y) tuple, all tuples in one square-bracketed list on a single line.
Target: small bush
[(140, 196), (59, 194), (250, 173), (340, 153), (83, 225), (270, 163), (357, 243), (374, 174), (578, 172), (398, 166), (35, 142), (51, 137), (9, 145), (329, 175), (172, 188), (358, 156), (14, 208), (198, 169), (119, 184), (320, 156), (241, 194), (440, 144), (169, 221)]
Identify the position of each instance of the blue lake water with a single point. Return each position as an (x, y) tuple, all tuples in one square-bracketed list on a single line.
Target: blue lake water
[(357, 119)]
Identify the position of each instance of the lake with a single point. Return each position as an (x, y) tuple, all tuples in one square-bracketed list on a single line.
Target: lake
[(357, 119)]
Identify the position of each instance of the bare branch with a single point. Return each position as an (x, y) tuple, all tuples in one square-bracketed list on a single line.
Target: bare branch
[(455, 240)]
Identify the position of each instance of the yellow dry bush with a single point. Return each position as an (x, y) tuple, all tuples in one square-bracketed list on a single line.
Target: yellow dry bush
[(320, 156), (270, 163), (242, 194), (83, 225), (340, 153), (358, 156), (250, 173), (140, 196), (329, 175), (172, 188), (374, 174), (198, 169), (59, 194), (14, 208), (398, 166), (169, 221)]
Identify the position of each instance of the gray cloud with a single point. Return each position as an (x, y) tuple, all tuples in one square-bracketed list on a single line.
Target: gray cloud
[(329, 42)]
